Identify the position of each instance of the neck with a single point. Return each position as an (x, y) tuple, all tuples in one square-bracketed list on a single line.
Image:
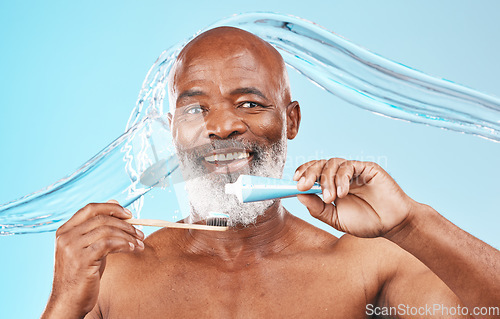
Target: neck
[(270, 234)]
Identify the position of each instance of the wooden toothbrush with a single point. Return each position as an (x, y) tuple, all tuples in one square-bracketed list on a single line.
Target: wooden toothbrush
[(164, 223)]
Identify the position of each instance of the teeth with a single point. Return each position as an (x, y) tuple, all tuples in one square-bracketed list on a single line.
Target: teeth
[(226, 157)]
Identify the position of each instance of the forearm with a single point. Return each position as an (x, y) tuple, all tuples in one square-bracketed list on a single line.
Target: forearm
[(54, 312), (56, 309), (470, 267)]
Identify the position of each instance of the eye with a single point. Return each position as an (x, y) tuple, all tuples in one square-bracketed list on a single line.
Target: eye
[(250, 105), (195, 109)]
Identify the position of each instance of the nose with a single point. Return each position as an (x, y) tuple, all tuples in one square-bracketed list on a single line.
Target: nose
[(223, 123)]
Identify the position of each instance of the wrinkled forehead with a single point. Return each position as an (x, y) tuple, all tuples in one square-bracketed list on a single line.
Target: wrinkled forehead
[(236, 60)]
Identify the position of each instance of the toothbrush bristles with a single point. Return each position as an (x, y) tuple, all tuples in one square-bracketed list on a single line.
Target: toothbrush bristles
[(217, 221)]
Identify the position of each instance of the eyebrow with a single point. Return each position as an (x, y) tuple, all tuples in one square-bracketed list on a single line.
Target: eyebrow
[(189, 93), (238, 91), (248, 90)]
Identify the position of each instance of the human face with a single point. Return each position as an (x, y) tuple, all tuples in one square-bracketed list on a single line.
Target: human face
[(229, 119), (227, 97)]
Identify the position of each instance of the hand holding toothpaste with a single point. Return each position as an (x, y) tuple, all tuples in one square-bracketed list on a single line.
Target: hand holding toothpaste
[(359, 198)]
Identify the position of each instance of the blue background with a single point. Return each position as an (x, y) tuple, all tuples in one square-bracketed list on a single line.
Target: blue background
[(70, 74)]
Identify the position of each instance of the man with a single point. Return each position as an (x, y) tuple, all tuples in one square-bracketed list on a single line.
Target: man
[(229, 94)]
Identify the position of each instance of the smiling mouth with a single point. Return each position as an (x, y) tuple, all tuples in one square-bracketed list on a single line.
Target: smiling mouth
[(223, 161), (224, 158)]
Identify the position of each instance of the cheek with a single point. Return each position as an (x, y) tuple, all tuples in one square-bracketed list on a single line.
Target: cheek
[(188, 135), (269, 126)]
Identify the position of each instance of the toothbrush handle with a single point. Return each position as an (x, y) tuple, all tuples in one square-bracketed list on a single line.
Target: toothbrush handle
[(164, 223)]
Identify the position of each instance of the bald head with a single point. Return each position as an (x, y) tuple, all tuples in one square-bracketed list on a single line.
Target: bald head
[(230, 50)]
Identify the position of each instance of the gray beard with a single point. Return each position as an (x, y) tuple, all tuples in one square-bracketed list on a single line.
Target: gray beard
[(206, 190)]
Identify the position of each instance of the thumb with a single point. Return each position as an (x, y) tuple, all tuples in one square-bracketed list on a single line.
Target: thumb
[(327, 213)]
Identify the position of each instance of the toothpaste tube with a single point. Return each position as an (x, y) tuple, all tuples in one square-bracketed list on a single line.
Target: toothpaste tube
[(249, 188)]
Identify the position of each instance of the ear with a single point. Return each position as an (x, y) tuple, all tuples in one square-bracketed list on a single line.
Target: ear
[(292, 120)]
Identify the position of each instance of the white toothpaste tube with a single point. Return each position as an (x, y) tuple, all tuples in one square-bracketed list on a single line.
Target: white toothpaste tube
[(249, 188)]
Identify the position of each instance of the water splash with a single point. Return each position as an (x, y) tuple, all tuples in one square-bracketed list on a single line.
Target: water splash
[(338, 66), (352, 73), (118, 171)]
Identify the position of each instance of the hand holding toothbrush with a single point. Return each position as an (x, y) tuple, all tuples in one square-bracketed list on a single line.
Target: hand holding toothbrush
[(359, 198), (82, 245)]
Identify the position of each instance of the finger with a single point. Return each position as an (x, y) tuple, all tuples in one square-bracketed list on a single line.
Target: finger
[(113, 201), (107, 245), (327, 213), (310, 175), (301, 169), (345, 173), (104, 220), (92, 210), (109, 232), (328, 179), (356, 174)]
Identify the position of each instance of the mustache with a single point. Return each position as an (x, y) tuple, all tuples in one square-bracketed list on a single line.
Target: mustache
[(199, 152)]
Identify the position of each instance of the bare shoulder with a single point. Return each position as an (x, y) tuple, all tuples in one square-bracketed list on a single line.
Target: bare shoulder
[(308, 235), (314, 237), (122, 268), (356, 267), (377, 256)]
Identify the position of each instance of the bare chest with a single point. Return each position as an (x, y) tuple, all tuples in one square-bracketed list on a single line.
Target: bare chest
[(292, 288)]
